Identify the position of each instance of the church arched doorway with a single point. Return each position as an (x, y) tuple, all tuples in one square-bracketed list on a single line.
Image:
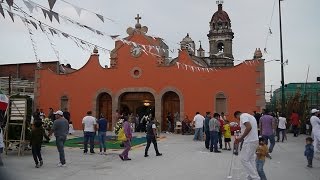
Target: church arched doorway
[(170, 104), (104, 107), (137, 103)]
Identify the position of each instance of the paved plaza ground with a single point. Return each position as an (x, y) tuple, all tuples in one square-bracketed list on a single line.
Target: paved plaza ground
[(182, 159)]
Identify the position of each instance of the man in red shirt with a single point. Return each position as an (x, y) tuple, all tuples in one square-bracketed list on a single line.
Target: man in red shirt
[(295, 123)]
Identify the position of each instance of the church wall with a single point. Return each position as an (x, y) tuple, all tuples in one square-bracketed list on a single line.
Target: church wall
[(197, 90)]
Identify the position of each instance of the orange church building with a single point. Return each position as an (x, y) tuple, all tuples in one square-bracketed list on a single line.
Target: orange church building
[(143, 79)]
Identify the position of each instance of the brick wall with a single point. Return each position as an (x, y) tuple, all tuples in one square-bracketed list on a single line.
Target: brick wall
[(25, 71)]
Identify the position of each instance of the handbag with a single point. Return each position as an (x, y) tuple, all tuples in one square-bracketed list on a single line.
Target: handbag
[(122, 135)]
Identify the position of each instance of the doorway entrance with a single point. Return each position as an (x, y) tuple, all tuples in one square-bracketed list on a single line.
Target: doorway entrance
[(141, 103), (170, 104), (104, 107)]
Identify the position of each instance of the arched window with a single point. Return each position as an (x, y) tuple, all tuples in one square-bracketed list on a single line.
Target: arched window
[(220, 103), (64, 102), (220, 47)]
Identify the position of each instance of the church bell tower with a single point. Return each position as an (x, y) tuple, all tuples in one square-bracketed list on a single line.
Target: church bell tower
[(220, 38)]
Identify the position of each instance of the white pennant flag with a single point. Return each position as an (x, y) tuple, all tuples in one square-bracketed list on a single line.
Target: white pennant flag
[(77, 9), (207, 69), (186, 66), (143, 46), (150, 48), (178, 64), (198, 68), (29, 5), (192, 68), (145, 51), (158, 49), (24, 20)]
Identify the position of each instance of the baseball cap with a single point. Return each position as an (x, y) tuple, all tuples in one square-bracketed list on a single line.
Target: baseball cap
[(59, 112), (314, 111)]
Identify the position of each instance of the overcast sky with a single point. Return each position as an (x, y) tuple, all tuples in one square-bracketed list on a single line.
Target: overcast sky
[(172, 20)]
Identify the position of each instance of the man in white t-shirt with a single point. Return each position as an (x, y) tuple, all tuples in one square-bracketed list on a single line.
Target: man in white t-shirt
[(198, 123), (250, 138), (315, 123), (89, 125), (282, 127)]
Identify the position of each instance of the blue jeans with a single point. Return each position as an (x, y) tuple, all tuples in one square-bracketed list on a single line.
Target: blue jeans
[(214, 140), (60, 140), (88, 136), (198, 134), (102, 140), (272, 140), (260, 164)]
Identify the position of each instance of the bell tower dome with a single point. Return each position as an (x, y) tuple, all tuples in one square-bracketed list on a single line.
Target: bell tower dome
[(220, 34)]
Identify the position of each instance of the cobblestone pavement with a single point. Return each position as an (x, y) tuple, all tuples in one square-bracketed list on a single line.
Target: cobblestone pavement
[(182, 159)]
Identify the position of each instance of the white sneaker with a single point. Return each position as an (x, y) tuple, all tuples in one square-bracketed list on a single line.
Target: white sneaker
[(61, 165)]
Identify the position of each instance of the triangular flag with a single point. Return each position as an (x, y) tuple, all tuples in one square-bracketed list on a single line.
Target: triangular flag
[(198, 68), (24, 19), (178, 64), (51, 3), (192, 68), (44, 13), (186, 66), (34, 5), (77, 9), (52, 31), (100, 17), (65, 35), (41, 27), (1, 10), (55, 15), (11, 15), (49, 13), (145, 51), (34, 24), (29, 6), (10, 2), (99, 33)]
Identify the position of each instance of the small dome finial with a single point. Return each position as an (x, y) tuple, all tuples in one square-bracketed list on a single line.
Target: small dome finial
[(95, 50)]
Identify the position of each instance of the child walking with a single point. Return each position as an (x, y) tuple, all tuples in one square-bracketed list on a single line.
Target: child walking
[(309, 151), (227, 135), (37, 135), (262, 152)]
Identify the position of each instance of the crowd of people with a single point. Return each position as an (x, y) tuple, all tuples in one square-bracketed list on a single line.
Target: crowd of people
[(259, 133)]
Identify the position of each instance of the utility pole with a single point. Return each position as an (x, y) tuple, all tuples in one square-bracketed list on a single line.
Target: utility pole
[(283, 109)]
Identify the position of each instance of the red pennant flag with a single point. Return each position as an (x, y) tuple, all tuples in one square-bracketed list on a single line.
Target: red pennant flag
[(4, 101)]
